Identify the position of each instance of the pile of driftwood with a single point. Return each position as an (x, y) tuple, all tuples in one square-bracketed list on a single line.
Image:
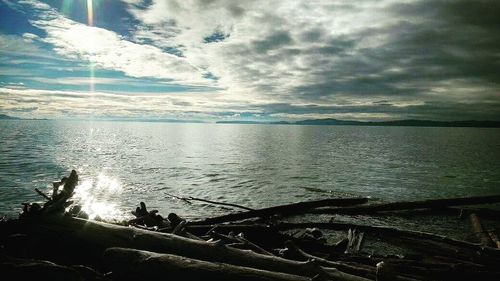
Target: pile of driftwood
[(52, 241)]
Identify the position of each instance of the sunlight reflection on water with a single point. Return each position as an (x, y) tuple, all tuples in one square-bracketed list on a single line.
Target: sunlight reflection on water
[(95, 196)]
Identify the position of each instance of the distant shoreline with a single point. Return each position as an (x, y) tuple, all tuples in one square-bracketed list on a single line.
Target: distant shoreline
[(316, 122), (396, 123)]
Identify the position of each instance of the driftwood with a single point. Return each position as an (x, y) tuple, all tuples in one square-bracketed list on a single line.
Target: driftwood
[(42, 194), (147, 218), (375, 230), (443, 211), (59, 200), (442, 242), (264, 235), (84, 236), (355, 240), (295, 252), (482, 235), (254, 247), (31, 269), (494, 238), (398, 206), (383, 230), (289, 209), (191, 198), (131, 264), (180, 252)]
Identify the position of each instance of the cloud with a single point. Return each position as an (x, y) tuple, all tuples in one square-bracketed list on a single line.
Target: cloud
[(84, 104), (286, 59), (22, 46), (332, 52), (108, 50)]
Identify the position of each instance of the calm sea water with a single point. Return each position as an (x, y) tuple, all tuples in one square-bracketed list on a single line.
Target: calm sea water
[(123, 163)]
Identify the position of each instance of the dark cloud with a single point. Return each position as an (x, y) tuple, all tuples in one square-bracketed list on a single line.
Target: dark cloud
[(444, 111), (433, 44), (273, 41)]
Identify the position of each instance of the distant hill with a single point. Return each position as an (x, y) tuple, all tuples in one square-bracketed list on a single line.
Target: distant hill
[(159, 120), (410, 123), (3, 116), (405, 123), (253, 122)]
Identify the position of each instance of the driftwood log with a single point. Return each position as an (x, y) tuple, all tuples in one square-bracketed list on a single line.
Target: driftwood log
[(289, 209), (32, 269), (131, 264), (410, 205), (86, 238), (60, 199), (183, 254), (383, 231), (475, 249)]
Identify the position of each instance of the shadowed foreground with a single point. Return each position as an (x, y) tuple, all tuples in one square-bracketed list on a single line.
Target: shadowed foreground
[(54, 241)]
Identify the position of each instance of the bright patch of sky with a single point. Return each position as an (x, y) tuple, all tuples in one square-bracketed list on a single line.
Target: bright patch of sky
[(223, 59)]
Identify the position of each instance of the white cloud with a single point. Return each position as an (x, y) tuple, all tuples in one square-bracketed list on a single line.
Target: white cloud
[(108, 50), (54, 104), (251, 62), (21, 46), (291, 58), (320, 52)]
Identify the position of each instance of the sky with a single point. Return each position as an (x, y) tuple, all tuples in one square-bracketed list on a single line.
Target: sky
[(250, 60)]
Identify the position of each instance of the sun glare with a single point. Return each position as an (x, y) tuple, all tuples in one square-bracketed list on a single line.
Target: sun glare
[(96, 197), (90, 13), (90, 21)]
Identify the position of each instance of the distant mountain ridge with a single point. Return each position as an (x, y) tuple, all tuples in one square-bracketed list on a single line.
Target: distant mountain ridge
[(327, 121), (404, 123), (3, 116), (409, 123)]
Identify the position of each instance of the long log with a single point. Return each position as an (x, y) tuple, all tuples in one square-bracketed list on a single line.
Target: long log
[(338, 226), (382, 231), (90, 239), (31, 269), (477, 249), (191, 198), (409, 205), (445, 211), (130, 264), (289, 209)]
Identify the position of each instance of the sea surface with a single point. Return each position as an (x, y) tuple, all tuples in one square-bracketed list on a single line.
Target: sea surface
[(123, 163)]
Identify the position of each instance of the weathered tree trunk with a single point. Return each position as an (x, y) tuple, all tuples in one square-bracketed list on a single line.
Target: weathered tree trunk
[(289, 209), (130, 264), (60, 201), (397, 206), (83, 236), (475, 249), (30, 269)]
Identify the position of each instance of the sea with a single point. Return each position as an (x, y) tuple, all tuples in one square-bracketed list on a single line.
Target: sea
[(123, 163)]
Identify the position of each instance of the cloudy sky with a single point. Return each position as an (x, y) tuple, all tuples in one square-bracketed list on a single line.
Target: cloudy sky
[(264, 60)]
